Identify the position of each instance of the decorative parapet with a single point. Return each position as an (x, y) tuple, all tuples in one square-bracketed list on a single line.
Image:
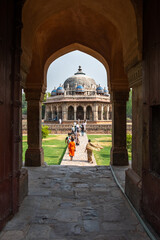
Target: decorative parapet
[(135, 75)]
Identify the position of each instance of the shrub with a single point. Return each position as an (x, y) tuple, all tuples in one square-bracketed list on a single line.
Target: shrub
[(129, 141), (45, 131)]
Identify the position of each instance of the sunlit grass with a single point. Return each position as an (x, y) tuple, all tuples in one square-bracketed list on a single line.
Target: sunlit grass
[(103, 156), (54, 148)]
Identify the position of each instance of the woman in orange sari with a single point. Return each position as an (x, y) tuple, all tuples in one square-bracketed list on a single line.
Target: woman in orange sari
[(72, 148)]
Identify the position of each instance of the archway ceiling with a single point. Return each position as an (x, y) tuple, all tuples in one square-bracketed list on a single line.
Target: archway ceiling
[(100, 25)]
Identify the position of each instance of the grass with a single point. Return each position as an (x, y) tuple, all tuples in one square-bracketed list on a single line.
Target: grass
[(103, 156), (54, 148)]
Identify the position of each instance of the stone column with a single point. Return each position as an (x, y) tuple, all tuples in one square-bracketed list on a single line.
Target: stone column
[(64, 112), (57, 112), (75, 112), (95, 112), (102, 112), (84, 112), (107, 112), (52, 112), (45, 114), (134, 174), (119, 154), (34, 155)]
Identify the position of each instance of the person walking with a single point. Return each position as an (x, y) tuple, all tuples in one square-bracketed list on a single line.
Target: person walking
[(82, 129), (73, 129), (77, 137), (89, 148), (72, 148)]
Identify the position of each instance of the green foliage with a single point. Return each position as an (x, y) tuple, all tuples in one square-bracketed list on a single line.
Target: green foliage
[(129, 106), (129, 141), (46, 95), (45, 131), (24, 104)]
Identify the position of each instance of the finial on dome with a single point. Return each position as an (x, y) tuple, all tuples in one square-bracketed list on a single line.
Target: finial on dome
[(80, 69)]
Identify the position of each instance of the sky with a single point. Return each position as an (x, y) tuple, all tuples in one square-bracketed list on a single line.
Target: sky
[(66, 65)]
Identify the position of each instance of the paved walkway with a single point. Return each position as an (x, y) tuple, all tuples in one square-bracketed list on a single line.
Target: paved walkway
[(73, 203), (80, 158)]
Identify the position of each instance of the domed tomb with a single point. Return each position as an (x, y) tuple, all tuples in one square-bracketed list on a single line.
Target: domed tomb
[(80, 78)]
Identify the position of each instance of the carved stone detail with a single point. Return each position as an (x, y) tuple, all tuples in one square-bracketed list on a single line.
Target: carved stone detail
[(135, 75)]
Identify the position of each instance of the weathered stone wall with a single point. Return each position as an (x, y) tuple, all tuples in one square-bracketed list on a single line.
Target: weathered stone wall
[(91, 128)]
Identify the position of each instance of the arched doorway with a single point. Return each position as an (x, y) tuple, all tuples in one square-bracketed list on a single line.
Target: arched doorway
[(60, 112), (54, 113), (105, 113), (89, 113), (70, 113), (99, 113), (80, 113)]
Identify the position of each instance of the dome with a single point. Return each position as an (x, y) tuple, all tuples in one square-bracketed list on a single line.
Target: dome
[(79, 88), (105, 92), (80, 78), (100, 89), (60, 89), (54, 92)]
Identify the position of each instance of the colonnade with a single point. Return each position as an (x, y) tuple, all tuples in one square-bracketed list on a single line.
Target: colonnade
[(98, 112)]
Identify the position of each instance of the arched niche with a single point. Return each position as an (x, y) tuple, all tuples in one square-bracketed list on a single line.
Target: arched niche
[(89, 113), (70, 113)]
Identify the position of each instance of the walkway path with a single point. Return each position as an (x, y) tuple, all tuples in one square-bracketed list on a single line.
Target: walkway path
[(80, 158), (73, 203)]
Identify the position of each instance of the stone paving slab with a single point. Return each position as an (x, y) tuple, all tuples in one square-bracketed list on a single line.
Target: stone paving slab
[(73, 203), (80, 158)]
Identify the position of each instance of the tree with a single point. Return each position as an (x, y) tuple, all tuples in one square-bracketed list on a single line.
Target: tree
[(46, 95), (45, 131), (24, 104), (129, 105)]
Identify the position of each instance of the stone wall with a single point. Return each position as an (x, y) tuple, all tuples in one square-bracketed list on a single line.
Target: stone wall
[(65, 128)]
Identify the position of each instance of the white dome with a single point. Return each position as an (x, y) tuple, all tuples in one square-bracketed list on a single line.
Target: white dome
[(80, 78)]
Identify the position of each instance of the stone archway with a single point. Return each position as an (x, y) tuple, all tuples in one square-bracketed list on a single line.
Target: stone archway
[(80, 113), (89, 113), (118, 31), (71, 113)]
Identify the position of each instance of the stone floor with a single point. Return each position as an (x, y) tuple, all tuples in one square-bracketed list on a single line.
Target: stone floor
[(73, 203), (80, 158)]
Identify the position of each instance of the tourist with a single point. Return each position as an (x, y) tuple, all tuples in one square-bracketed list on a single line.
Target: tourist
[(72, 148), (82, 129), (90, 147), (60, 121), (77, 138), (73, 129), (68, 138), (77, 126)]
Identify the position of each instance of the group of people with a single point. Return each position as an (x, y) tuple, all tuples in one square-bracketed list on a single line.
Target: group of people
[(77, 128), (73, 139)]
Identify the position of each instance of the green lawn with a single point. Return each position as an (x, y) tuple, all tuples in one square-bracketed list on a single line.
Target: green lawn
[(103, 156), (54, 148)]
